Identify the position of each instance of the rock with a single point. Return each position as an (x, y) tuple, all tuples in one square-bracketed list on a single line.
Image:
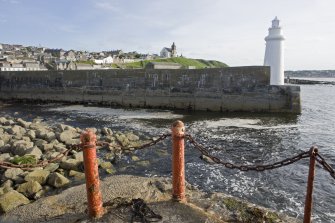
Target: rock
[(122, 139), (132, 137), (34, 151), (40, 142), (57, 180), (4, 157), (68, 136), (50, 136), (106, 165), (21, 147), (51, 167), (30, 188), (23, 123), (135, 158), (60, 147), (207, 159), (13, 174), (47, 147), (70, 164), (9, 122), (106, 131), (79, 156), (60, 127), (40, 176), (41, 133), (3, 120), (11, 200), (77, 175), (16, 130)]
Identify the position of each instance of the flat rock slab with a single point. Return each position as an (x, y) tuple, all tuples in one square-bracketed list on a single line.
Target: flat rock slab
[(71, 204)]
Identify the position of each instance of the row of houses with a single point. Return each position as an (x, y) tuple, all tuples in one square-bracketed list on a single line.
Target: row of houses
[(15, 57)]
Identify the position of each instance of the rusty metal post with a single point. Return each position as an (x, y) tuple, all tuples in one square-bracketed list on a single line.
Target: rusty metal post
[(178, 164), (94, 197), (310, 184)]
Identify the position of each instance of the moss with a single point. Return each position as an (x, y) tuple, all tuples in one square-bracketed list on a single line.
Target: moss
[(26, 159), (249, 214)]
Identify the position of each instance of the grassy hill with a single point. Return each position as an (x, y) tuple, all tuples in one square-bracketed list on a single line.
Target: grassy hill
[(185, 62)]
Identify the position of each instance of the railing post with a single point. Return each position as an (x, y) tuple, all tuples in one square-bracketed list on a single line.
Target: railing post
[(178, 165), (310, 184), (94, 198)]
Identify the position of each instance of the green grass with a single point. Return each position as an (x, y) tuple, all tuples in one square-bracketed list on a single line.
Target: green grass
[(185, 62)]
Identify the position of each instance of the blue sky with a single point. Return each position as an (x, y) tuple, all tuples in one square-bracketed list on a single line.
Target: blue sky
[(230, 31)]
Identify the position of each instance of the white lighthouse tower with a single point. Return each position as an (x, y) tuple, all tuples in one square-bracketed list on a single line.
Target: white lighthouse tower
[(274, 55)]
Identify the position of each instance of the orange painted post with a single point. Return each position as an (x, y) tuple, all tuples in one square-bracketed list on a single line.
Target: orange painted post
[(94, 197), (178, 164), (309, 194)]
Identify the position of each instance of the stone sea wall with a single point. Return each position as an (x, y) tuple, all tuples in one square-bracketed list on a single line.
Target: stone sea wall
[(219, 89)]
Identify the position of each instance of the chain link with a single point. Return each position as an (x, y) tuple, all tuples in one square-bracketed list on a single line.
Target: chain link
[(325, 165), (275, 165)]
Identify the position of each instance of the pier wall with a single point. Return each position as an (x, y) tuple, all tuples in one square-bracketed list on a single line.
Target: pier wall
[(217, 89)]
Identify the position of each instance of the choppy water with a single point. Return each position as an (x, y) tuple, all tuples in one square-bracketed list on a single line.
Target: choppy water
[(244, 138)]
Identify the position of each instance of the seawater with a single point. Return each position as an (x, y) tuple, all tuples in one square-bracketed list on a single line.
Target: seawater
[(241, 138)]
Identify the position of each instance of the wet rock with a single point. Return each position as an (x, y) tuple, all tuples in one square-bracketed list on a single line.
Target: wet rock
[(40, 176), (21, 147), (13, 174), (57, 180), (16, 130), (70, 164), (11, 200), (30, 188)]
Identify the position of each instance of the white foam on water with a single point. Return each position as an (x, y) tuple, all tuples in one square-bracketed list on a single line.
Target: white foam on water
[(118, 113), (244, 123)]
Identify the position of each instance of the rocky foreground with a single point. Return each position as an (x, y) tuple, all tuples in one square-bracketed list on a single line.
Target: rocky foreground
[(29, 195)]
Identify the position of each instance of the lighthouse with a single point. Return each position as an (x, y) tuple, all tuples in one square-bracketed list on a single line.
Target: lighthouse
[(274, 55)]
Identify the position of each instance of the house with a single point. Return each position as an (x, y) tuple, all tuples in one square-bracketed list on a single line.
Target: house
[(162, 65), (70, 56), (169, 52)]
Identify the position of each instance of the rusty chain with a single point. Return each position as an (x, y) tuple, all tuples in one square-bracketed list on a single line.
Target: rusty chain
[(275, 165), (325, 165), (76, 147)]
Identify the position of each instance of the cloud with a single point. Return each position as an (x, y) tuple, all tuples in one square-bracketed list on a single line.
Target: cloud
[(11, 1), (107, 5)]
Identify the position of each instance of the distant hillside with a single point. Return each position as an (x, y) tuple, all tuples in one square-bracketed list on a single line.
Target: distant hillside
[(185, 62)]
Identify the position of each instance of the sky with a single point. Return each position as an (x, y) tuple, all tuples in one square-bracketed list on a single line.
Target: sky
[(229, 31)]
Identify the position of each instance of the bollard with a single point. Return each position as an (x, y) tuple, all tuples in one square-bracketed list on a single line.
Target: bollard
[(309, 194), (94, 198), (178, 166)]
